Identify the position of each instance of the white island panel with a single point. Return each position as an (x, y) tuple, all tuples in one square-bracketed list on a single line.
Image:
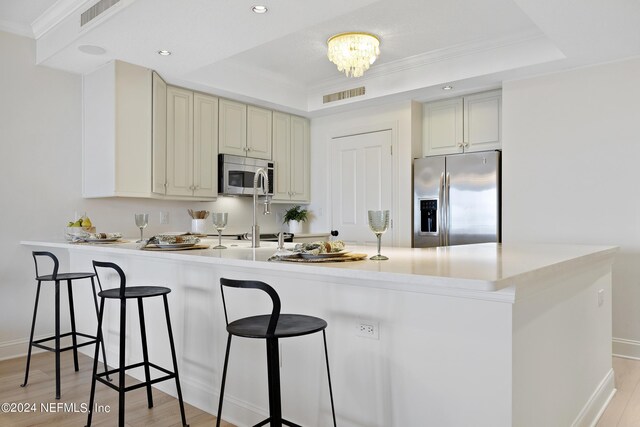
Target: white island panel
[(479, 335)]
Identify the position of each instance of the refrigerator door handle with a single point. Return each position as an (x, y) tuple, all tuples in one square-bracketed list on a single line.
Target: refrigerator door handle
[(441, 227), (448, 211)]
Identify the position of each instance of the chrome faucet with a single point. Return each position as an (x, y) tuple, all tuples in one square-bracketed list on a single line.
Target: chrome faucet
[(255, 228)]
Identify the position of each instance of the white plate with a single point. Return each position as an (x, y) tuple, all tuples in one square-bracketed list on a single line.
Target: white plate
[(174, 245), (324, 255)]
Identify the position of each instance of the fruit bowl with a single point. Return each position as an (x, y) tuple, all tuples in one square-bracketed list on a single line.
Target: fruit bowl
[(76, 233)]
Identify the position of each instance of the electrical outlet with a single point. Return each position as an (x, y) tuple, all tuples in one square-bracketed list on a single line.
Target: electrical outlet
[(164, 217), (368, 329)]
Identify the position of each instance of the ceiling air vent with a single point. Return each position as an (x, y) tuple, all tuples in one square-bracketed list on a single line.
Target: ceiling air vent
[(95, 10), (339, 96)]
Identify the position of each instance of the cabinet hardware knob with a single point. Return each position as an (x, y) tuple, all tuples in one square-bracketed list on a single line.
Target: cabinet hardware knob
[(460, 144), (248, 148), (466, 144)]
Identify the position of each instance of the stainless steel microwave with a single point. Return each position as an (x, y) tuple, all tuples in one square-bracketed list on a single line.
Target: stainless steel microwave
[(236, 174)]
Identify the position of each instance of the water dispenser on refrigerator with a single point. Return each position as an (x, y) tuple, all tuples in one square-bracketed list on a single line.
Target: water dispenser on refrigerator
[(428, 216)]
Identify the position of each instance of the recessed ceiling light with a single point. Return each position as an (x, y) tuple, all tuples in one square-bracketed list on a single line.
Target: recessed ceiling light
[(164, 52), (447, 87), (91, 49), (259, 9)]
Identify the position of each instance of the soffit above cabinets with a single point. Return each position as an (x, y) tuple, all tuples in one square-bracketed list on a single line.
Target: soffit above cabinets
[(278, 59)]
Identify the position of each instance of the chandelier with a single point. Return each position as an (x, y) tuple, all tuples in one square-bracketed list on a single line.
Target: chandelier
[(353, 53)]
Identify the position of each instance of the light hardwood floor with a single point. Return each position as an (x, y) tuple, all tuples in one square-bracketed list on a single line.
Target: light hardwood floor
[(75, 389), (624, 408), (623, 411)]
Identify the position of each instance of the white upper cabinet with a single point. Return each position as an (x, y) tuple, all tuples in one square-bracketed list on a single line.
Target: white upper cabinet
[(300, 171), (483, 121), (205, 146), (232, 128), (192, 142), (291, 158), (442, 127), (465, 124), (179, 142), (259, 132), (244, 130), (117, 131), (159, 135)]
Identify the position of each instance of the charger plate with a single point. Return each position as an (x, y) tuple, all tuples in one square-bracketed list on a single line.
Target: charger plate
[(340, 258)]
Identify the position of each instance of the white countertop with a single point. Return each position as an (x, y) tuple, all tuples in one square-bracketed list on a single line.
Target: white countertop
[(486, 267)]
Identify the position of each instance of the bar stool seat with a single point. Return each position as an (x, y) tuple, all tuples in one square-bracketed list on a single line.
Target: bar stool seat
[(56, 278), (65, 276), (135, 292), (270, 328), (139, 293), (289, 325)]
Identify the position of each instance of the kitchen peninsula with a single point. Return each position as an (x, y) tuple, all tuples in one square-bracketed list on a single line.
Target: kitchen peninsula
[(482, 335)]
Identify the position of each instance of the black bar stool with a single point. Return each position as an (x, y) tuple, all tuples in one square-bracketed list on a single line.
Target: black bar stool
[(57, 278), (271, 328), (123, 293)]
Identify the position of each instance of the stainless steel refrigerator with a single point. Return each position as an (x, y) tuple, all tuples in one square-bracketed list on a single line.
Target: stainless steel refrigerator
[(456, 199)]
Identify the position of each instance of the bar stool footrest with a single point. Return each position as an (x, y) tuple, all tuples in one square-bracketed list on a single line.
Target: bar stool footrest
[(169, 375), (92, 340)]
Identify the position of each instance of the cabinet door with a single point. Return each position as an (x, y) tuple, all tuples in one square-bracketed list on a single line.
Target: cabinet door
[(205, 145), (232, 128), (258, 132), (281, 156), (179, 142), (299, 166), (159, 135), (482, 121), (442, 127)]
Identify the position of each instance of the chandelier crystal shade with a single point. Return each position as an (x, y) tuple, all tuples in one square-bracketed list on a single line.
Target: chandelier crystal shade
[(353, 53)]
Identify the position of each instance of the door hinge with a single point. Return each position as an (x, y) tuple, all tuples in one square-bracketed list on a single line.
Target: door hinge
[(391, 223), (391, 149)]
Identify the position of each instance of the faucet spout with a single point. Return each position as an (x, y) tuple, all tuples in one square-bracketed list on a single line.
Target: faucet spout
[(255, 228)]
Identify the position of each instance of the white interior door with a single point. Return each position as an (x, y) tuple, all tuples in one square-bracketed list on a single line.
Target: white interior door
[(361, 178)]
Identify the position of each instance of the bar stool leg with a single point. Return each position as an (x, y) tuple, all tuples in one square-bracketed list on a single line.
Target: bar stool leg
[(101, 342), (33, 328), (57, 337), (95, 363), (273, 374), (175, 361), (145, 352), (326, 356), (72, 315), (121, 366), (224, 378)]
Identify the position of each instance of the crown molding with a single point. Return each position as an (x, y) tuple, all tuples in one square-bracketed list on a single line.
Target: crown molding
[(427, 58), (55, 15), (16, 28)]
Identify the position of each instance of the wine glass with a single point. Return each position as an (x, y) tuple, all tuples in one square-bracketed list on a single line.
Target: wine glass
[(142, 220), (378, 223), (219, 222)]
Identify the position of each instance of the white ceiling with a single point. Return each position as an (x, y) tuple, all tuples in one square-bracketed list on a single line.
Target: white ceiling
[(279, 59)]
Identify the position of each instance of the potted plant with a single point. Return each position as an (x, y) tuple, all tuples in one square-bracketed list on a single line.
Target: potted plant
[(295, 216)]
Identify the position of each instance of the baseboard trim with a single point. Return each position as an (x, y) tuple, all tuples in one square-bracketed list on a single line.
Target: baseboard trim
[(629, 349), (597, 403), (17, 348)]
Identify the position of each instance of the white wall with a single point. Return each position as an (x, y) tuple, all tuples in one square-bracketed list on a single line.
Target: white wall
[(40, 185), (571, 162), (406, 142)]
